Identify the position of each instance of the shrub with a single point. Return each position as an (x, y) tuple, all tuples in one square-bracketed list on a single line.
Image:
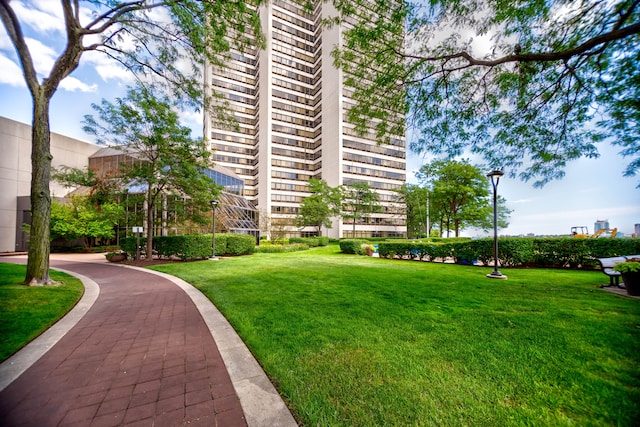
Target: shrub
[(184, 246), (351, 246), (268, 248), (630, 266), (193, 246), (239, 244), (312, 242), (514, 251), (128, 244)]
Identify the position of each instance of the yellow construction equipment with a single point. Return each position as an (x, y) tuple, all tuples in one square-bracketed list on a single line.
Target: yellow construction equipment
[(605, 232), (582, 232)]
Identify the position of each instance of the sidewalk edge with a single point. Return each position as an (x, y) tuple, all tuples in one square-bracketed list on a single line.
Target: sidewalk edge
[(261, 403), (14, 366)]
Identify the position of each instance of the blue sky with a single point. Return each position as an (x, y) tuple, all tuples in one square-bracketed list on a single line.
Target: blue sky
[(593, 189)]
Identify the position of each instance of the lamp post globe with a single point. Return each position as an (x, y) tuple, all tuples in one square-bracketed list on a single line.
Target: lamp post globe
[(214, 204), (495, 176)]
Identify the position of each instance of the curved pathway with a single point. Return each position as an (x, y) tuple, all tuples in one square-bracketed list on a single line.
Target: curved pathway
[(143, 354)]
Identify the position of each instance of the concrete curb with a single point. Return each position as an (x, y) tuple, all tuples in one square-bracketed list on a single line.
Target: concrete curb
[(261, 403), (14, 366)]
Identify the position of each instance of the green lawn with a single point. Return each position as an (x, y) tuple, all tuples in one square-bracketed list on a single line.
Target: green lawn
[(26, 312), (360, 341)]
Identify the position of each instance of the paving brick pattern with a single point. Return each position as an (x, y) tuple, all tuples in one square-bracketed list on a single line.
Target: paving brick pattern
[(141, 356)]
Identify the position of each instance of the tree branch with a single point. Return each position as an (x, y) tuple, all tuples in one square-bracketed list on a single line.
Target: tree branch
[(582, 49), (14, 30)]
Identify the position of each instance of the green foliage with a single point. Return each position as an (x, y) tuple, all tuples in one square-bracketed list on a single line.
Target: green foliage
[(239, 244), (102, 189), (184, 247), (427, 251), (359, 202), (514, 251), (460, 196), (413, 199), (266, 248), (518, 83), (188, 247), (359, 341), (166, 160), (312, 242), (352, 246), (161, 38), (627, 267), (29, 311), (320, 207), (81, 219)]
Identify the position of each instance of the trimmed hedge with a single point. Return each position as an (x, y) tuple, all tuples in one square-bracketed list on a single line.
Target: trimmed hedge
[(514, 251), (272, 249), (353, 246), (312, 242), (238, 244), (188, 247)]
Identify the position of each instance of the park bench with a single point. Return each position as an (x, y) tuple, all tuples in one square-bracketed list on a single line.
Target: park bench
[(607, 265)]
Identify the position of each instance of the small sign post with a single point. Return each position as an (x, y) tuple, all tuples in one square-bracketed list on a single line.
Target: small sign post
[(137, 231)]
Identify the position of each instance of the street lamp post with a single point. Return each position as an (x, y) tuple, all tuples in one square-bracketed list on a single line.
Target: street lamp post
[(495, 179), (214, 204)]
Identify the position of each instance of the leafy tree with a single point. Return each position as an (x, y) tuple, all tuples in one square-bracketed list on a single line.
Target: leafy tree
[(413, 199), (166, 158), (360, 201), (154, 40), (528, 85), (102, 189), (461, 195), (81, 219), (320, 207)]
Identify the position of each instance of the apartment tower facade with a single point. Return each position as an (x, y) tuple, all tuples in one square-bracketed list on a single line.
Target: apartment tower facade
[(290, 104)]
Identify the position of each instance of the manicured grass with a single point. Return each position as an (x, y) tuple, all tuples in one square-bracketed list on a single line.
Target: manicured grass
[(26, 312), (358, 341)]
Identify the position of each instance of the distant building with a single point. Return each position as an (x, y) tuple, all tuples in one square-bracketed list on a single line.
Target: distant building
[(636, 229), (601, 224), (15, 177), (236, 214)]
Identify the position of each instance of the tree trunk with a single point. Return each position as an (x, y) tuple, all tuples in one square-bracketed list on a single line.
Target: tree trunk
[(39, 245), (354, 225), (150, 204)]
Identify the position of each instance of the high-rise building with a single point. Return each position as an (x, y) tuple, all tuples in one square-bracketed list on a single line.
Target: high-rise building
[(601, 224), (290, 104)]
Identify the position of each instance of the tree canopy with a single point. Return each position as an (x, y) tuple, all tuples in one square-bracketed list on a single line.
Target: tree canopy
[(165, 42), (79, 218), (359, 202), (317, 209), (460, 196), (166, 160), (527, 85)]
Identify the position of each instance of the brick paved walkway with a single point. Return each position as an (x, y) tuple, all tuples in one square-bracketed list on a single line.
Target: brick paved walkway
[(142, 355)]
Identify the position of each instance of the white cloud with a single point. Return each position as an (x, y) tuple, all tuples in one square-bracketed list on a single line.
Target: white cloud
[(11, 72), (43, 56), (521, 201), (72, 84), (5, 41), (107, 68), (44, 16), (192, 119), (114, 71)]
